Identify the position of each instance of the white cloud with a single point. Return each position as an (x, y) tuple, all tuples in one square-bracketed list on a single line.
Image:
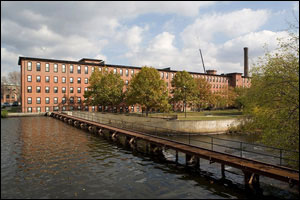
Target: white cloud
[(231, 24)]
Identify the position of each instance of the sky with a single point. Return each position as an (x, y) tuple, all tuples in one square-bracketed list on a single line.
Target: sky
[(159, 34)]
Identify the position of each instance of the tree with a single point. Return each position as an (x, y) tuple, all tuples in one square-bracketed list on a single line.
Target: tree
[(272, 102), (184, 88), (147, 89), (203, 96), (106, 88)]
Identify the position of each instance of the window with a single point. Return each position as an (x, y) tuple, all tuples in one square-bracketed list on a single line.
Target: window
[(85, 89), (55, 79), (63, 79), (29, 89), (47, 89), (86, 108), (38, 89), (47, 68), (162, 74), (126, 72), (29, 109), (63, 68), (63, 100), (29, 66), (78, 99), (64, 108), (38, 78), (100, 69), (172, 75), (132, 108), (55, 108), (71, 79), (29, 100), (121, 72), (93, 69), (71, 90), (167, 75), (79, 90), (38, 100), (29, 78), (71, 68), (86, 70), (63, 90), (132, 72), (86, 80), (38, 109), (55, 69), (126, 82), (78, 80), (38, 67), (78, 69), (55, 89), (47, 109), (47, 79), (78, 107), (71, 99), (55, 100), (115, 70)]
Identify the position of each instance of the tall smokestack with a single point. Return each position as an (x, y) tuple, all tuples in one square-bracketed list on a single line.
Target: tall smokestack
[(246, 68)]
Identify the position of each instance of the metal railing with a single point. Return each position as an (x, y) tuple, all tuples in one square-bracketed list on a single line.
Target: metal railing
[(262, 153)]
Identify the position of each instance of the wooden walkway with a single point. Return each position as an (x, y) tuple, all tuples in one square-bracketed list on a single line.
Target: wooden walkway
[(251, 168)]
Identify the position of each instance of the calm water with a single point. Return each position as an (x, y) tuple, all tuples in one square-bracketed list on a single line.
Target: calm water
[(42, 157)]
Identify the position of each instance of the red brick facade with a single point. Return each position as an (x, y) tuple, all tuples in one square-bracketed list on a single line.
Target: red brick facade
[(48, 85)]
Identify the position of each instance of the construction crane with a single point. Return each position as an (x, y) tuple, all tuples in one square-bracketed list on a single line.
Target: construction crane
[(202, 61)]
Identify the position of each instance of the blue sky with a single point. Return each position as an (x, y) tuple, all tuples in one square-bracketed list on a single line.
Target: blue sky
[(157, 34)]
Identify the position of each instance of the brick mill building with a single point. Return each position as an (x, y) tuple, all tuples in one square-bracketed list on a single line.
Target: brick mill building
[(58, 85)]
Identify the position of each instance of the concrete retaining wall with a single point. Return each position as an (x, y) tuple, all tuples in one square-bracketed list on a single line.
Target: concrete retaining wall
[(209, 126)]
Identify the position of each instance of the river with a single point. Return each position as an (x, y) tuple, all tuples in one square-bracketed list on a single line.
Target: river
[(42, 157)]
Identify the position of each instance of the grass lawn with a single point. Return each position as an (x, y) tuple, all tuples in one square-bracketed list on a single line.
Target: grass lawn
[(203, 115)]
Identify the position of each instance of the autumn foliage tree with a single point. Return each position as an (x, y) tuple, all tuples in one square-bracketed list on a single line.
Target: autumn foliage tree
[(184, 88), (106, 88), (272, 102), (148, 90)]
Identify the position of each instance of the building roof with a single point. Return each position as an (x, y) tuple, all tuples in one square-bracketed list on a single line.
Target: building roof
[(101, 63)]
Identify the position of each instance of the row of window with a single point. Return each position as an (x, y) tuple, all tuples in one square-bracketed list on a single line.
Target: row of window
[(163, 74), (55, 89), (86, 108), (55, 68), (63, 69), (56, 108), (55, 79), (55, 100)]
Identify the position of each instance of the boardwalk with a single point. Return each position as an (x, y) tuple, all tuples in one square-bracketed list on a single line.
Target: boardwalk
[(252, 169)]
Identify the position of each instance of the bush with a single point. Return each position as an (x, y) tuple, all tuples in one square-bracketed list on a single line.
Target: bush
[(4, 113)]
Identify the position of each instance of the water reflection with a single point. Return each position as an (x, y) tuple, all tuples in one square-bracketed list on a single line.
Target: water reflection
[(45, 158)]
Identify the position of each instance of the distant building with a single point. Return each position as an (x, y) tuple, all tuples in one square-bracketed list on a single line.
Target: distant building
[(58, 85), (10, 93)]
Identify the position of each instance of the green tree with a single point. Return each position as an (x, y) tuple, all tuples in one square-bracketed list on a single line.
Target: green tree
[(147, 89), (203, 96), (184, 88), (272, 102), (106, 88)]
